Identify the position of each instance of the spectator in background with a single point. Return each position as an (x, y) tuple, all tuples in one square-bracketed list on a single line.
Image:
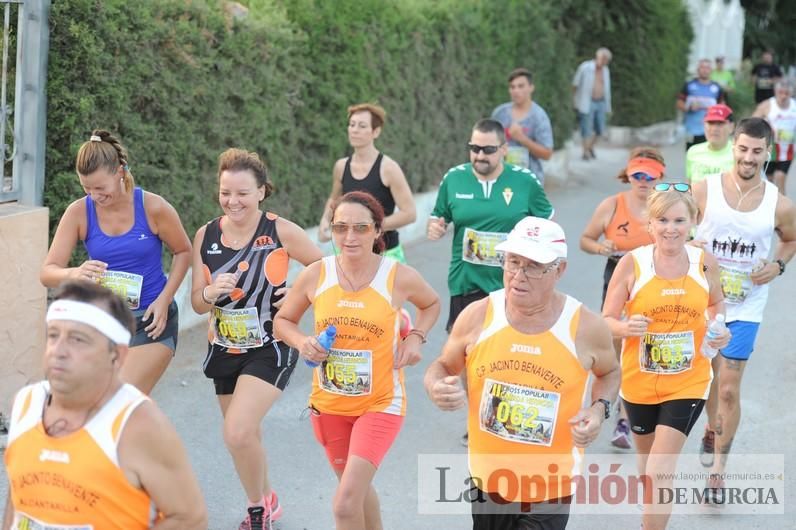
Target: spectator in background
[(764, 75), (714, 155), (694, 100), (527, 127), (591, 88), (725, 78)]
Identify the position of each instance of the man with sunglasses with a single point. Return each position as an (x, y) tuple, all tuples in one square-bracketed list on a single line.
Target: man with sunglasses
[(484, 200), (526, 125), (714, 155), (740, 211), (528, 351)]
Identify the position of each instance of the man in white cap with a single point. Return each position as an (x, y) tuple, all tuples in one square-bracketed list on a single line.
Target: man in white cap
[(527, 350), (86, 450)]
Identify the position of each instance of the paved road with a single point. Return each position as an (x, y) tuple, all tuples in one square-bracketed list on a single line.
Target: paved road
[(299, 470)]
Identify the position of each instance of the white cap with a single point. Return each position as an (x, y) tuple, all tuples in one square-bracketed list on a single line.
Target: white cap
[(540, 240)]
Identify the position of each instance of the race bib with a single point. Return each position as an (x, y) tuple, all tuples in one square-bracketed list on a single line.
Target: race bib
[(518, 156), (736, 284), (785, 136), (26, 522), (479, 247), (347, 372), (125, 284), (237, 328), (666, 353), (518, 413)]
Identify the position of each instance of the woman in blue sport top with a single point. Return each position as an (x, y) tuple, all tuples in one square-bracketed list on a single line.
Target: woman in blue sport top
[(123, 229)]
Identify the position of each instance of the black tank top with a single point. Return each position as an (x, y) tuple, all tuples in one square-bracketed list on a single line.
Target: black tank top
[(261, 267), (372, 184)]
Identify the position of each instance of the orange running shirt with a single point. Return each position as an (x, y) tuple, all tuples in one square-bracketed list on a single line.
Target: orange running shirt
[(627, 232), (358, 376), (74, 480), (666, 363), (522, 391)]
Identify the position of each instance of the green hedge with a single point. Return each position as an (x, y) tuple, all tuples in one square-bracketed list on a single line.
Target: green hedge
[(650, 43), (181, 80)]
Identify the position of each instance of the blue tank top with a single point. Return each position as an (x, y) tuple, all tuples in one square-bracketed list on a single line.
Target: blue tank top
[(134, 270)]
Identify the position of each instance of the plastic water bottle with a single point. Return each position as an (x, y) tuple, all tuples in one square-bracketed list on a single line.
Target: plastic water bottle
[(326, 339), (715, 328)]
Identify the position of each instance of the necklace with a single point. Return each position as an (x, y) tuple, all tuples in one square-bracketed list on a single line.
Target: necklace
[(742, 196), (346, 278)]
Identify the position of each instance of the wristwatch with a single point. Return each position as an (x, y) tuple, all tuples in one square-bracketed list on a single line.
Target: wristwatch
[(781, 264), (606, 404)]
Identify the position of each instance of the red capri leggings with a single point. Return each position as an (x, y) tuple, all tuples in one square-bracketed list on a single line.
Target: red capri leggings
[(368, 436)]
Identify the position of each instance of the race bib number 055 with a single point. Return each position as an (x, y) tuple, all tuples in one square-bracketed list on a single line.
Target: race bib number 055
[(347, 372)]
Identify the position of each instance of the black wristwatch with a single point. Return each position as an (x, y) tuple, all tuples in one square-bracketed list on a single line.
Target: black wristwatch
[(606, 404), (781, 265)]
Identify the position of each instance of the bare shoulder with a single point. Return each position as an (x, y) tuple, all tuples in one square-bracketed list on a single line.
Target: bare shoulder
[(592, 327), (338, 168), (148, 435)]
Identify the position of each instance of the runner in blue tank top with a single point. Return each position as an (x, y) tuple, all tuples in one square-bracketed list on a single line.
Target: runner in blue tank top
[(369, 170), (240, 266), (123, 229)]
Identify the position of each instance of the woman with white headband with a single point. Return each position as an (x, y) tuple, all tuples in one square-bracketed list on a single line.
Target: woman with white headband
[(123, 229)]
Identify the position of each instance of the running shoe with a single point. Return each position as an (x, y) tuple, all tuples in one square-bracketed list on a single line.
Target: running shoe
[(274, 507), (255, 519), (714, 492), (262, 517), (621, 438), (706, 448)]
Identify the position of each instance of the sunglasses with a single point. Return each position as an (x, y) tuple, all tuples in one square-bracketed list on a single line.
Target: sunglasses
[(646, 177), (487, 149), (358, 228), (682, 187)]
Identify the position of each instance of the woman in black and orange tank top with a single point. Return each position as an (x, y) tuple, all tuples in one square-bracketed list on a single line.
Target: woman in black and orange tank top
[(621, 221), (370, 171), (240, 265)]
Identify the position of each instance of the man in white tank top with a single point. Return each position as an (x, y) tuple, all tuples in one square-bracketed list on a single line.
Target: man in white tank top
[(780, 112), (740, 212)]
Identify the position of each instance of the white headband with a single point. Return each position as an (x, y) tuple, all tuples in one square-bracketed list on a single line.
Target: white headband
[(89, 315), (95, 138)]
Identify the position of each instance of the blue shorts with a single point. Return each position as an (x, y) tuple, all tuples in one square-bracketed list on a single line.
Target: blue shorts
[(594, 120), (742, 343)]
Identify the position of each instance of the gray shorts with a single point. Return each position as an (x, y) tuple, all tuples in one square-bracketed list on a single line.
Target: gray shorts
[(169, 335)]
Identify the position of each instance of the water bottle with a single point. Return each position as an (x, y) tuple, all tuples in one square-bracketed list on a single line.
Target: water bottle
[(326, 339), (715, 328)]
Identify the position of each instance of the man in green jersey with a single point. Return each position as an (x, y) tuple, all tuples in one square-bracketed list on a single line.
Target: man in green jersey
[(715, 155), (484, 200)]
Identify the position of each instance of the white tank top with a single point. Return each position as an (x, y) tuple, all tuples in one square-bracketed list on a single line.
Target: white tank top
[(783, 121), (738, 240)]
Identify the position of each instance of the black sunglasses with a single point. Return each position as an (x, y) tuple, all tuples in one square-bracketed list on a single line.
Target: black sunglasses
[(487, 149), (682, 187)]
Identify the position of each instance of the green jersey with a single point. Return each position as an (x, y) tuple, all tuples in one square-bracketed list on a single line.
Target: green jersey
[(725, 79), (701, 161), (483, 213)]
